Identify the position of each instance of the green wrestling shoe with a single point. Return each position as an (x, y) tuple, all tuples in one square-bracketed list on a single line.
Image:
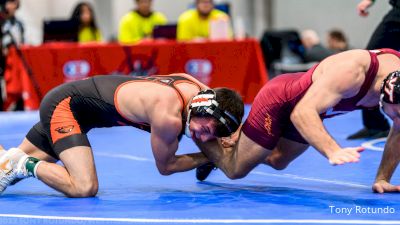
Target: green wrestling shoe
[(202, 172)]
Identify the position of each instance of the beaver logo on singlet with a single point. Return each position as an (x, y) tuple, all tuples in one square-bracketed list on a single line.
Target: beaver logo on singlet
[(268, 124), (65, 129)]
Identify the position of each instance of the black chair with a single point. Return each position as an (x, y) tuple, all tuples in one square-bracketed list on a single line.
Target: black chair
[(277, 46), (165, 32)]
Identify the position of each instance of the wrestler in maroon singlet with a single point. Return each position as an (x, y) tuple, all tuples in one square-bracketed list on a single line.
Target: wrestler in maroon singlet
[(269, 118)]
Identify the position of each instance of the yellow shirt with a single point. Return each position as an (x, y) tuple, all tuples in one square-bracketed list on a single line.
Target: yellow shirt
[(87, 35), (191, 25), (133, 27)]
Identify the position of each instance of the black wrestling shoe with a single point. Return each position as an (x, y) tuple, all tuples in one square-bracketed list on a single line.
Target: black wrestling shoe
[(381, 134), (203, 171), (368, 134)]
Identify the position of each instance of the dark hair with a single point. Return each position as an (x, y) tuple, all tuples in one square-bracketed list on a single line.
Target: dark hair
[(18, 2), (76, 16), (197, 1), (229, 101), (337, 35)]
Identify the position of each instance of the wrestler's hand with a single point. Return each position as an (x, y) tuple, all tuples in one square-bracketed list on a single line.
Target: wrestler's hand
[(363, 6), (383, 186), (345, 155), (228, 142)]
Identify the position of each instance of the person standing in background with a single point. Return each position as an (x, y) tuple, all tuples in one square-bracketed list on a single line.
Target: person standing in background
[(195, 23), (12, 35), (84, 15), (386, 35), (139, 23)]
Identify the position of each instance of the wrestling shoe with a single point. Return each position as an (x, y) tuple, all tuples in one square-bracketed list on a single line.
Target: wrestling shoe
[(12, 167), (368, 134), (202, 172)]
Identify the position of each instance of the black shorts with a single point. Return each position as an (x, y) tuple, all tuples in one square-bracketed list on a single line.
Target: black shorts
[(59, 128), (67, 113)]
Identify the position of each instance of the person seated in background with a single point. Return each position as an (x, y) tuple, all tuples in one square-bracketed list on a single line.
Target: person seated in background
[(195, 23), (139, 23), (88, 31), (337, 41), (314, 51)]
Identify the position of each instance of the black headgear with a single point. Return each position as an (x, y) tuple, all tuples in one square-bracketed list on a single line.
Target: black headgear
[(205, 104), (390, 90)]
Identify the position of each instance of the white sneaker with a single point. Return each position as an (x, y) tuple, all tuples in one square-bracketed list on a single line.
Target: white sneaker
[(12, 167)]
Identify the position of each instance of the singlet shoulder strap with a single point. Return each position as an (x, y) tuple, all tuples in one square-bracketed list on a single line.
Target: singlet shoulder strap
[(369, 76), (176, 79), (172, 81), (385, 51), (374, 66)]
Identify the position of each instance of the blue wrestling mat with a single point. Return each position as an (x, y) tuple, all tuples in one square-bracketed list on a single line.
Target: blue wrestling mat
[(309, 191)]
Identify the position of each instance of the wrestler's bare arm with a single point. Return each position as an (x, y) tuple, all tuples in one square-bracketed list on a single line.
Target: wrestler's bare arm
[(164, 143), (166, 125), (389, 162), (339, 79), (236, 161)]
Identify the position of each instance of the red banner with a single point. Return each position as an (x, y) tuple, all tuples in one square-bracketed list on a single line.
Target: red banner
[(234, 64)]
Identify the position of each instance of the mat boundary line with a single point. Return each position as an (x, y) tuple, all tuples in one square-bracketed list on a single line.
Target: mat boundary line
[(200, 221), (370, 144)]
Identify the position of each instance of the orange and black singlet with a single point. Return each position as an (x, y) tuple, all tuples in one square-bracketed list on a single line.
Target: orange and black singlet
[(70, 110)]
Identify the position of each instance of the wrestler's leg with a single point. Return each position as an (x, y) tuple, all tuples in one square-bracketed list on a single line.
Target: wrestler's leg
[(285, 152)]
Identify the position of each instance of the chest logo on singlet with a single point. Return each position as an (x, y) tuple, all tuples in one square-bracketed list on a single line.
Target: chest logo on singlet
[(65, 129), (166, 81), (375, 51)]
